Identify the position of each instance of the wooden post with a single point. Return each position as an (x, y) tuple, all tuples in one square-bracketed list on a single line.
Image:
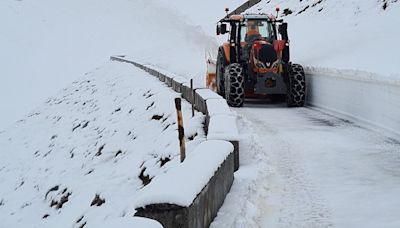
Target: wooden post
[(191, 87), (180, 128)]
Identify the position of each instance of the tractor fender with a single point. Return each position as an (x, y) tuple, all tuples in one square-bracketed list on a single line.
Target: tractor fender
[(211, 74), (227, 52)]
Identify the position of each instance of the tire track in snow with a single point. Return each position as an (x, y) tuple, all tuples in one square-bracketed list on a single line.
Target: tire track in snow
[(287, 195), (318, 170), (240, 206)]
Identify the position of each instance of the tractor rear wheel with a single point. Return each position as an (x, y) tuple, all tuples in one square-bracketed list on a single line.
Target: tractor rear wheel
[(297, 86), (234, 85), (221, 63)]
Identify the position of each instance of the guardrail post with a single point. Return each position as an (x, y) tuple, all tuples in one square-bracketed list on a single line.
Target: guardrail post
[(181, 130)]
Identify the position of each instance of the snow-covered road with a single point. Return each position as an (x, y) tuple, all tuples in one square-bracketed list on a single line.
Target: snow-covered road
[(319, 171)]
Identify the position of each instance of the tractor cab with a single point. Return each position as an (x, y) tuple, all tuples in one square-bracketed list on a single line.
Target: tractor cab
[(245, 29), (254, 32)]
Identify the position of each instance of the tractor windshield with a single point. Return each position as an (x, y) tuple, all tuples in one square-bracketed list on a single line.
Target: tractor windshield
[(256, 29)]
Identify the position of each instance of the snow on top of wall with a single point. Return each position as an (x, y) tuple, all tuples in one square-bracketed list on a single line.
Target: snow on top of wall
[(217, 106), (208, 94), (223, 127), (83, 156), (134, 222), (181, 184)]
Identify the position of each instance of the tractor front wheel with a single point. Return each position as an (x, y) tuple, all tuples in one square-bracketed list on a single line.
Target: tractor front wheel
[(297, 86), (234, 85), (221, 63)]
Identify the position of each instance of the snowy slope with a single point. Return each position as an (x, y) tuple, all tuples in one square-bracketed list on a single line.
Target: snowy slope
[(204, 14), (46, 44), (84, 155)]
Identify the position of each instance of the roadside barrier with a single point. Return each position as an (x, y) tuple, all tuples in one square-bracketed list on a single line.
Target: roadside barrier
[(220, 126)]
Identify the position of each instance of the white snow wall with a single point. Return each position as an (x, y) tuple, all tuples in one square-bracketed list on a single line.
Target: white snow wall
[(370, 100)]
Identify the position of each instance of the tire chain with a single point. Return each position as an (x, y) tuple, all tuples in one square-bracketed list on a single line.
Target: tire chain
[(234, 87), (298, 84)]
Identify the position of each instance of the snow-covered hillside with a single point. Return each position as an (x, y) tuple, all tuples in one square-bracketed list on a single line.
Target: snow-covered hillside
[(83, 156), (47, 44)]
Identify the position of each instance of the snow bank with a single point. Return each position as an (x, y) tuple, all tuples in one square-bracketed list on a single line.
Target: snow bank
[(368, 99), (181, 184)]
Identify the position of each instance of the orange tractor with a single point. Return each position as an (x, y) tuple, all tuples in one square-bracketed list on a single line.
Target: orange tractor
[(255, 62)]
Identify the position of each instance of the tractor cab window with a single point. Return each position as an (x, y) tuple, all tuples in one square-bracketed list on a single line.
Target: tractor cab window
[(256, 29)]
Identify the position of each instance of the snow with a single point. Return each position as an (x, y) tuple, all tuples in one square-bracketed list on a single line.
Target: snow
[(180, 79), (223, 127), (205, 14), (208, 94), (127, 223), (47, 44), (96, 137), (181, 184), (217, 107), (304, 168), (369, 100), (240, 206), (356, 75)]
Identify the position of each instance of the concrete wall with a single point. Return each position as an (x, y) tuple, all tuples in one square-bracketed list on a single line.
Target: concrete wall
[(204, 207)]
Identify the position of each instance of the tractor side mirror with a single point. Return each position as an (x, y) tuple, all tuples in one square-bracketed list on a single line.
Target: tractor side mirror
[(283, 31), (223, 29)]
